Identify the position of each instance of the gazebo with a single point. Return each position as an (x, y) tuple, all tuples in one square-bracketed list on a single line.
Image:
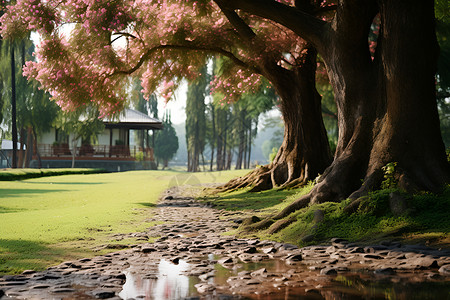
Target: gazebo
[(113, 151)]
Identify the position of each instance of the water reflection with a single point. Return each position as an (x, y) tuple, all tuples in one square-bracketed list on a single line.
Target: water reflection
[(169, 284)]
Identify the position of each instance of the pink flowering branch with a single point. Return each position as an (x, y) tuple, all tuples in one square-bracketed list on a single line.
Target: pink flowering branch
[(217, 50)]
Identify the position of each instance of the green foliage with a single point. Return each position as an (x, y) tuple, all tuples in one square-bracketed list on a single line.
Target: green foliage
[(148, 107), (33, 105), (83, 124), (139, 156), (166, 141), (389, 176), (273, 154)]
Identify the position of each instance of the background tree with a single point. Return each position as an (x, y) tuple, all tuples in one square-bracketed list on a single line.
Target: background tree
[(196, 120), (83, 125), (166, 142), (35, 113), (147, 106)]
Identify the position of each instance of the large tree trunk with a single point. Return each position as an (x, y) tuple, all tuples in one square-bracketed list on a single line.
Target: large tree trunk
[(396, 118), (13, 108), (305, 152), (386, 107)]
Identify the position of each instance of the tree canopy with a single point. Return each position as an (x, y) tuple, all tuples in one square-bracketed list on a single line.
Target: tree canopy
[(89, 47)]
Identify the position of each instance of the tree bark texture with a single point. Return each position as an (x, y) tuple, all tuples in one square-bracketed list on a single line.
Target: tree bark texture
[(386, 106), (305, 152)]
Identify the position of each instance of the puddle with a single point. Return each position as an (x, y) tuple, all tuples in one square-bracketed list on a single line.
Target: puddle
[(172, 283)]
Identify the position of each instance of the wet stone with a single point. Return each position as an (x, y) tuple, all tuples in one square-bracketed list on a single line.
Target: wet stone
[(39, 286), (372, 256), (103, 294), (15, 278), (250, 250), (384, 271), (148, 249), (204, 288), (445, 270), (12, 283), (424, 263), (28, 272), (62, 290), (225, 260), (328, 271)]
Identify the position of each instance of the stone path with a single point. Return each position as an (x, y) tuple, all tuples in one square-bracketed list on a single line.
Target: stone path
[(194, 260)]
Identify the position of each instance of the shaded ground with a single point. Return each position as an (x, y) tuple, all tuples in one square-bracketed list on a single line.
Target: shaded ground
[(192, 259)]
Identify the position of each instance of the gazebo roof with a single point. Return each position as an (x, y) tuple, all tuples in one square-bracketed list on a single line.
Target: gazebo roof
[(133, 119)]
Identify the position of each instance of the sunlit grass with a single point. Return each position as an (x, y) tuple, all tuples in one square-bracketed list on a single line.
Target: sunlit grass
[(47, 220)]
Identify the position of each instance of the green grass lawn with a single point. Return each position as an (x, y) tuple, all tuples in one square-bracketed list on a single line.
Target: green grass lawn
[(46, 220)]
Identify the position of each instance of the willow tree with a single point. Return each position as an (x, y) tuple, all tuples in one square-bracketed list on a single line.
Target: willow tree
[(162, 42)]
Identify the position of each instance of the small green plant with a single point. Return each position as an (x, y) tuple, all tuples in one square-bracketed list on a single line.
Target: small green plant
[(389, 181), (448, 154), (273, 154), (139, 156)]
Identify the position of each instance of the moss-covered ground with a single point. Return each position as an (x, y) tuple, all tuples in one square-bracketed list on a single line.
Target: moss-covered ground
[(44, 221), (424, 219)]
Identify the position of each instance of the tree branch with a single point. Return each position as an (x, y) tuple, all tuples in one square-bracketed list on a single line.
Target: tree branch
[(189, 47), (305, 25), (242, 28)]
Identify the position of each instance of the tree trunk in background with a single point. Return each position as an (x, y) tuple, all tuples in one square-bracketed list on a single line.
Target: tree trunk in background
[(240, 118), (213, 139), (36, 149), (305, 152), (21, 158), (249, 145), (29, 150), (229, 159), (13, 108)]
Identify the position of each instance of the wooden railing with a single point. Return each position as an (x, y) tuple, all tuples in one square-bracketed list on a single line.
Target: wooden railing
[(103, 152)]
